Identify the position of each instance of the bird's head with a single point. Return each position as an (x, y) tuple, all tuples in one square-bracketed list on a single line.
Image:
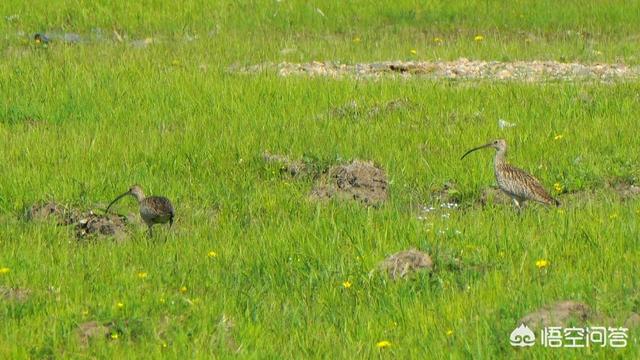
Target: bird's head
[(499, 144)]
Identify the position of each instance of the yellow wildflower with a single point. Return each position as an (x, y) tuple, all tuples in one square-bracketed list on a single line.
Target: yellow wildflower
[(356, 39), (164, 344), (558, 187), (85, 312), (183, 289), (542, 263), (346, 284), (383, 344), (212, 254), (414, 51), (114, 336), (120, 305), (142, 274), (478, 38), (558, 137), (438, 40), (613, 216), (449, 332), (4, 270)]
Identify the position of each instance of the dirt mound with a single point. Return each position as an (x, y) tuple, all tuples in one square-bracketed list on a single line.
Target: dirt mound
[(14, 294), (41, 211), (85, 223), (359, 180), (405, 263), (291, 167), (493, 196), (93, 224), (562, 314)]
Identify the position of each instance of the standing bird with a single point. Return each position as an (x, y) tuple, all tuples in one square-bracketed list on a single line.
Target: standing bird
[(153, 209), (516, 183)]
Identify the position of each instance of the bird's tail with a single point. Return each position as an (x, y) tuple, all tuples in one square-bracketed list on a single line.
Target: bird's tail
[(171, 220)]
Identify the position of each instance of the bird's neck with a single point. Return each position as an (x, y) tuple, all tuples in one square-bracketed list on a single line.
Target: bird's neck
[(139, 197), (500, 158)]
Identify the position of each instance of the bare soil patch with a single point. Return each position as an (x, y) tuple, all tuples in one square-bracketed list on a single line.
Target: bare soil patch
[(404, 264), (493, 196), (291, 167), (110, 330), (42, 211), (626, 189), (562, 313), (359, 180), (460, 69), (353, 110), (14, 294), (93, 330), (633, 321)]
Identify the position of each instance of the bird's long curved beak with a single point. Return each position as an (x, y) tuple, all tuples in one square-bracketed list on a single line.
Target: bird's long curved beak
[(116, 199), (474, 149)]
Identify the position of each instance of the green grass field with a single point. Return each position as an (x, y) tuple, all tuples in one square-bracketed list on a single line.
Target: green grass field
[(80, 123)]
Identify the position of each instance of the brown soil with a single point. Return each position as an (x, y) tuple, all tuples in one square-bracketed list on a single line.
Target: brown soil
[(405, 263), (359, 180)]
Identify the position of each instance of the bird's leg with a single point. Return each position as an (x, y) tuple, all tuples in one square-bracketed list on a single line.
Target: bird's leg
[(518, 204)]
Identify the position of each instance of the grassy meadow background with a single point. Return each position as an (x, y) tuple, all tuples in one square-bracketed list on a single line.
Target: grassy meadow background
[(80, 123)]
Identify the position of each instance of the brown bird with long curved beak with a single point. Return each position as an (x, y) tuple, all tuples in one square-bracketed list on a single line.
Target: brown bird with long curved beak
[(153, 209), (516, 183)]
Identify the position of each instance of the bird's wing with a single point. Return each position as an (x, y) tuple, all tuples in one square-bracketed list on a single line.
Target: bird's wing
[(160, 205), (526, 186)]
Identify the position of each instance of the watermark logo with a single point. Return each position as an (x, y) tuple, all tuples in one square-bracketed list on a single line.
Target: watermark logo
[(571, 337), (522, 336)]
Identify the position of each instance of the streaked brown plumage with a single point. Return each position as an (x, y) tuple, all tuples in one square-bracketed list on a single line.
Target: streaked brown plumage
[(153, 209), (516, 183)]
